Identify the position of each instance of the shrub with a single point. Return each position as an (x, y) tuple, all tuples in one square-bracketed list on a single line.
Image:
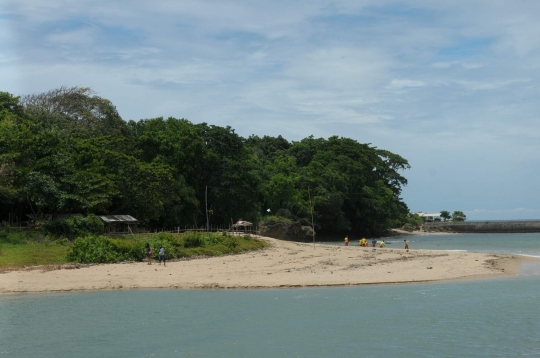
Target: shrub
[(93, 249), (274, 219), (75, 226), (231, 242), (99, 249), (129, 250), (56, 228), (193, 239)]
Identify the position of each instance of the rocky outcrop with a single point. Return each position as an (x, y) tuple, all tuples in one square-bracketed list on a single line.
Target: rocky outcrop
[(292, 231)]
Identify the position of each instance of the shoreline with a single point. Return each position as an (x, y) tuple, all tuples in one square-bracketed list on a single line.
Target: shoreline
[(399, 232), (283, 264)]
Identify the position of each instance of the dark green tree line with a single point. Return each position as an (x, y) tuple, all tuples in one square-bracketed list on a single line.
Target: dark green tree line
[(68, 151)]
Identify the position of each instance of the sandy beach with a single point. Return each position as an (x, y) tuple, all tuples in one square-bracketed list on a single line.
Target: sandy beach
[(283, 264)]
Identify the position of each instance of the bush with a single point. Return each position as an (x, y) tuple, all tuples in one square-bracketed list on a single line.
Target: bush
[(193, 241), (231, 242), (56, 228), (100, 249), (413, 222), (279, 219), (75, 226), (129, 250), (93, 249)]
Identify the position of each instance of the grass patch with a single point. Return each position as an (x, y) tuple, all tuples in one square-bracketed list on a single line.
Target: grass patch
[(16, 255), (32, 248)]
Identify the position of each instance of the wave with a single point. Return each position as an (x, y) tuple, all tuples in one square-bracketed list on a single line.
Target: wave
[(528, 255)]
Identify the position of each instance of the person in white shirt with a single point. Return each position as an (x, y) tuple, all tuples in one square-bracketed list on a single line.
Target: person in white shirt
[(161, 255)]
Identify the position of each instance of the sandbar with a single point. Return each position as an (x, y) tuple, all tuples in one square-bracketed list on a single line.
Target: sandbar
[(283, 264)]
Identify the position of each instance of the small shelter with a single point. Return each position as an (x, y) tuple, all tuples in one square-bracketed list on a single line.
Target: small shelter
[(119, 223), (241, 224)]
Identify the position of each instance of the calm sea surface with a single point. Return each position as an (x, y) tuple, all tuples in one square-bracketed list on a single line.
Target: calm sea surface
[(522, 244), (481, 318)]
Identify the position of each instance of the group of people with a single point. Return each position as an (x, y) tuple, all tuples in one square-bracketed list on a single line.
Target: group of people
[(364, 243), (149, 251)]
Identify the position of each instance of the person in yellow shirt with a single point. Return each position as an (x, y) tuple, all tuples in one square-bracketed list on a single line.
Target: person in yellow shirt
[(381, 244), (346, 240), (406, 245)]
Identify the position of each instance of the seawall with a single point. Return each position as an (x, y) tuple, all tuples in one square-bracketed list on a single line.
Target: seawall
[(484, 226)]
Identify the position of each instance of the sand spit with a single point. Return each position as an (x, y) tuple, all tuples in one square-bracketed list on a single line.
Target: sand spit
[(283, 264)]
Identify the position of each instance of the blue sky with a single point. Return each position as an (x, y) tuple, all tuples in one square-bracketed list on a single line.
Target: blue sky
[(451, 86)]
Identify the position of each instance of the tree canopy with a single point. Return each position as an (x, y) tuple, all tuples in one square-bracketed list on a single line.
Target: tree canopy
[(445, 215), (69, 151)]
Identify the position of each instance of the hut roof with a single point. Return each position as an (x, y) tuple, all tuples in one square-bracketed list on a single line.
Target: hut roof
[(118, 219)]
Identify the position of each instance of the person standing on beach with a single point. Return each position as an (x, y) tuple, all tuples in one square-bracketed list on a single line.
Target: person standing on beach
[(374, 242), (148, 251), (406, 245), (381, 245), (347, 240), (161, 255)]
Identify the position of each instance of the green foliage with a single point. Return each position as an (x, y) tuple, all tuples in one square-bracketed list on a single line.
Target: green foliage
[(193, 241), (445, 215), (68, 151), (276, 219), (459, 216), (75, 226), (100, 249), (94, 249), (13, 237), (413, 222)]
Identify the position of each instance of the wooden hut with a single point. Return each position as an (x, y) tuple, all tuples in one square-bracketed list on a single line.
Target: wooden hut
[(119, 223)]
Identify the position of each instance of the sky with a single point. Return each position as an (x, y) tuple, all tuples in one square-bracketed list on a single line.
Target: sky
[(452, 86)]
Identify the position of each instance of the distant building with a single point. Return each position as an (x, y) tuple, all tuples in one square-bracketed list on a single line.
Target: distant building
[(430, 217)]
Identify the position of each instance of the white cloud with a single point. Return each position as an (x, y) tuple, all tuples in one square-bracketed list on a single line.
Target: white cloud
[(451, 86)]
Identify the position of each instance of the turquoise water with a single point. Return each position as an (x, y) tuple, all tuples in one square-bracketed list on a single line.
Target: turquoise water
[(522, 244), (480, 318), (489, 318)]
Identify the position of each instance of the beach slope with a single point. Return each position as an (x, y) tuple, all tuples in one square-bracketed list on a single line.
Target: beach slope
[(282, 264)]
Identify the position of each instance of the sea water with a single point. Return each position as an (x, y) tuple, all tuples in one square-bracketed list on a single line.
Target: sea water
[(527, 244), (475, 318)]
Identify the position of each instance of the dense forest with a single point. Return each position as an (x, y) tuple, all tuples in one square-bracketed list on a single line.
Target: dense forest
[(69, 151)]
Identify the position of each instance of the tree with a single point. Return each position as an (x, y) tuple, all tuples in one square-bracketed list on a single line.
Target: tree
[(445, 215), (75, 110), (69, 151), (458, 216)]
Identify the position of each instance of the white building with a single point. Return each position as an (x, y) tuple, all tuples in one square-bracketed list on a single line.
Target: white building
[(430, 217)]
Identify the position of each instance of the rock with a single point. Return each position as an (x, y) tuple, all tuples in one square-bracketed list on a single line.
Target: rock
[(292, 231)]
